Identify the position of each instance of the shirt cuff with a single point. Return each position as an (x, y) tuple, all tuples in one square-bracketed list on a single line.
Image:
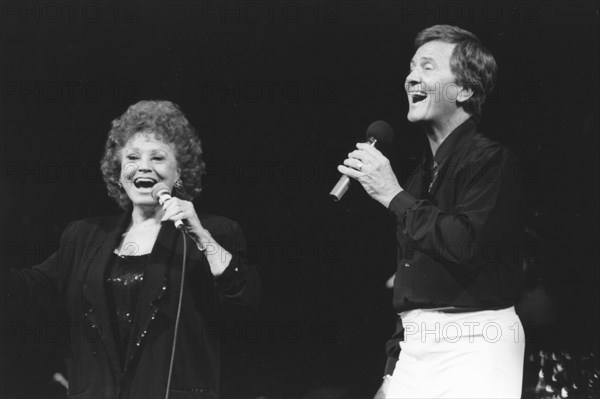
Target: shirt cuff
[(231, 273), (400, 203)]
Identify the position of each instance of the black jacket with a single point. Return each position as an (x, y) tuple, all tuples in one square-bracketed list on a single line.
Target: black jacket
[(74, 278)]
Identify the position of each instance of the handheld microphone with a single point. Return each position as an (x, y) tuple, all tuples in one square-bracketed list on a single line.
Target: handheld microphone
[(161, 193), (377, 132)]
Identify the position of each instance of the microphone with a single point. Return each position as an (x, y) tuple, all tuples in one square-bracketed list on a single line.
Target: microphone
[(377, 132), (161, 193)]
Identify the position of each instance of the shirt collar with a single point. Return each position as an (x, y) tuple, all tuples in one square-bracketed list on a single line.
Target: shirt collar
[(450, 143)]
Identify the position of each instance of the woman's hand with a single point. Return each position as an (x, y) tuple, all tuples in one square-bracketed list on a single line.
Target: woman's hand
[(178, 209), (217, 256)]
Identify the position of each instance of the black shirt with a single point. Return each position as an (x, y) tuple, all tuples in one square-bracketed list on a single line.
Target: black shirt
[(459, 227)]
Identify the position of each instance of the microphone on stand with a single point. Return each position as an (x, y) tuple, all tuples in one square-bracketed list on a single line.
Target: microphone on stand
[(377, 132)]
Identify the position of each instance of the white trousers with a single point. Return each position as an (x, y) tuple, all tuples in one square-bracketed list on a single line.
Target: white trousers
[(459, 355)]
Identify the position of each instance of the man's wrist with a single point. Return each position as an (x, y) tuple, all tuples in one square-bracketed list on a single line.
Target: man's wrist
[(387, 198)]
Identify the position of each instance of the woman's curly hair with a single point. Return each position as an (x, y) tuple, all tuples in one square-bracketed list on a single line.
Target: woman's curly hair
[(167, 123)]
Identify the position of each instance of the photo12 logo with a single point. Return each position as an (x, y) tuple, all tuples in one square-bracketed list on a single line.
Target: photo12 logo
[(464, 331), (269, 12), (68, 12), (68, 92)]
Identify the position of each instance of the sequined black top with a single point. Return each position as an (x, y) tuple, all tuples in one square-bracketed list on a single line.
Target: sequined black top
[(124, 278)]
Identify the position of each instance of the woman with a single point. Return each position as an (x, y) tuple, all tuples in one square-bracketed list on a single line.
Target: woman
[(118, 278)]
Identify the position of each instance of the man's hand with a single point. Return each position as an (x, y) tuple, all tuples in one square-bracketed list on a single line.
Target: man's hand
[(372, 170)]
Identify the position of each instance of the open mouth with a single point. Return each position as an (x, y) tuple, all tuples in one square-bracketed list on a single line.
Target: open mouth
[(144, 182), (418, 96)]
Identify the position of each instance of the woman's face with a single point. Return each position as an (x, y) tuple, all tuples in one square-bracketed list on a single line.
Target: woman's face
[(146, 161)]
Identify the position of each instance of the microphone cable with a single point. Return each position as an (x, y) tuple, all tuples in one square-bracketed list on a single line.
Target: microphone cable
[(178, 315)]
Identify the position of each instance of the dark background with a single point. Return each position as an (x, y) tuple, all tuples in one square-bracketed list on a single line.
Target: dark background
[(279, 93)]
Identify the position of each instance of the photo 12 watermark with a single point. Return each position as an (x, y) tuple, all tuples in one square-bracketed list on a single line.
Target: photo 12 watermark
[(268, 92), (68, 12), (466, 331), (469, 12), (268, 12), (68, 92)]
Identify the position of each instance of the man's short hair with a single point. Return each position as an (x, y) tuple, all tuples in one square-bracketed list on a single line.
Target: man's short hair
[(471, 62)]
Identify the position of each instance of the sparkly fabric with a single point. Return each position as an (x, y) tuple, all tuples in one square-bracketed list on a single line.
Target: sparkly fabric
[(124, 279)]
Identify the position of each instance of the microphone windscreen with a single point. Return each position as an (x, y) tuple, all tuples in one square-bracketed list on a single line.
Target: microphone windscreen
[(158, 188), (382, 131)]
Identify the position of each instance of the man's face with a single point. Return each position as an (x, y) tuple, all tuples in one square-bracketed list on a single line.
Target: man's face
[(430, 85)]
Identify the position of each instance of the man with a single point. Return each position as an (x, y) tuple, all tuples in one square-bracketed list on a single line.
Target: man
[(458, 231)]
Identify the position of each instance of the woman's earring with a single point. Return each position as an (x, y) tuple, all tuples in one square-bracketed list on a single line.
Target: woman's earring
[(120, 184), (178, 183)]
